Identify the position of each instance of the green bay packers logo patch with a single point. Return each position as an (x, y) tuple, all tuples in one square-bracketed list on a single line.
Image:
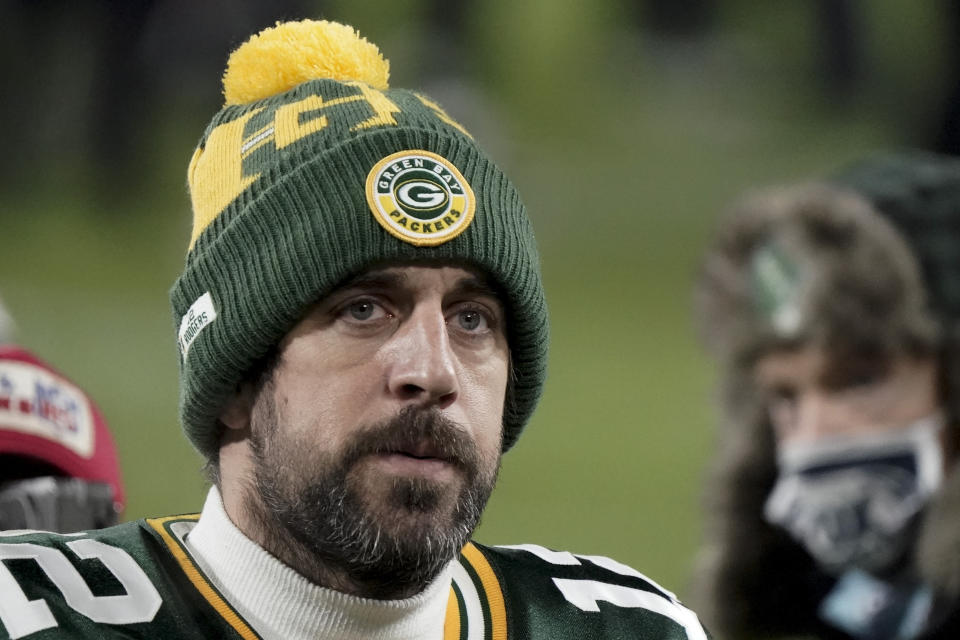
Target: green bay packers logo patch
[(420, 197)]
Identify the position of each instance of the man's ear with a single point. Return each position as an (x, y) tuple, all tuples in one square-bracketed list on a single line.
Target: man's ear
[(236, 413)]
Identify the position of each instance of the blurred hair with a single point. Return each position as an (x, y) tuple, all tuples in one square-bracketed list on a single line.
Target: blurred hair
[(858, 286)]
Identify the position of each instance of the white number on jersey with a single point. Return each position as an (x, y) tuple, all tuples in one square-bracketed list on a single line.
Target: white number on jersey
[(22, 617), (585, 594)]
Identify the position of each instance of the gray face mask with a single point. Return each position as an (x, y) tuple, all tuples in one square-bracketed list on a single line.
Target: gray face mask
[(851, 501)]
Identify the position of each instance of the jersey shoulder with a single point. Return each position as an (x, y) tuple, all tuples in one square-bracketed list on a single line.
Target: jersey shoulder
[(558, 594), (128, 581)]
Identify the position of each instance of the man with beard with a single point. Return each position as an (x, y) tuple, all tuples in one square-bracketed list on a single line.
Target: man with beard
[(833, 310), (362, 332)]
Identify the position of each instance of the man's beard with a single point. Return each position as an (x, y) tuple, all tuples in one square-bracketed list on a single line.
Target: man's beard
[(319, 515)]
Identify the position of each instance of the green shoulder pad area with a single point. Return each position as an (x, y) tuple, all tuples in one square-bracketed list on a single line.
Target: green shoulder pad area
[(128, 581), (557, 594)]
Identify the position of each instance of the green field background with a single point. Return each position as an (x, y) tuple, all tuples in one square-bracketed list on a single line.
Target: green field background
[(625, 149)]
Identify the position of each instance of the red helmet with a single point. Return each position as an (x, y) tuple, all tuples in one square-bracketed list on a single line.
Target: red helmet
[(44, 416)]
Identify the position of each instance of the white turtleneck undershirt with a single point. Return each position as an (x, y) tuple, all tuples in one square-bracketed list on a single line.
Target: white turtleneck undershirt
[(280, 603)]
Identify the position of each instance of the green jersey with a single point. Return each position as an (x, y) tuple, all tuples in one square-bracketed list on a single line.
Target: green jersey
[(138, 580)]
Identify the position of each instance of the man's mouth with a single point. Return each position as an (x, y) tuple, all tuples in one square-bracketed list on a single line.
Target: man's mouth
[(422, 450), (423, 457), (417, 443)]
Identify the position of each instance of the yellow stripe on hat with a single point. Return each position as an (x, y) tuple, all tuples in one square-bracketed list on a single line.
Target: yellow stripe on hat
[(216, 175)]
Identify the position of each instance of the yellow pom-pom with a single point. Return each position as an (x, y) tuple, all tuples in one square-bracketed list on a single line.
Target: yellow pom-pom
[(281, 57)]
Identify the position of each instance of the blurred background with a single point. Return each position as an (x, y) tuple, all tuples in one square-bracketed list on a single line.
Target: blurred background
[(628, 126)]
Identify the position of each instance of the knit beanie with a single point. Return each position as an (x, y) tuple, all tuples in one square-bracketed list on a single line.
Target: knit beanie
[(314, 171)]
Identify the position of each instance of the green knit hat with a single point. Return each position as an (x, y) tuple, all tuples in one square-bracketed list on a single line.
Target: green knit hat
[(313, 172)]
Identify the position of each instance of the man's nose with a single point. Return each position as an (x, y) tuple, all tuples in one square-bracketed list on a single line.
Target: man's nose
[(820, 415), (422, 365)]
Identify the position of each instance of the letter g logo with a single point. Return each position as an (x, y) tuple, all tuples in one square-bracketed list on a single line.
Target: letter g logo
[(420, 194)]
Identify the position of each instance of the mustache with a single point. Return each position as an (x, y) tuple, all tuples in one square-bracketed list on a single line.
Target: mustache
[(424, 432)]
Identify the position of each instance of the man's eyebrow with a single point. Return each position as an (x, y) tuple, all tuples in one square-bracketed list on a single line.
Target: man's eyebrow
[(376, 280), (478, 286), (473, 285)]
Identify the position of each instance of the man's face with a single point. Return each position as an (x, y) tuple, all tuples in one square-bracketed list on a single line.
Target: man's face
[(859, 453), (811, 396), (376, 440)]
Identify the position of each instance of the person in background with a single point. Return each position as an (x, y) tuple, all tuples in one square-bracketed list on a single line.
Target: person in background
[(59, 469), (833, 311)]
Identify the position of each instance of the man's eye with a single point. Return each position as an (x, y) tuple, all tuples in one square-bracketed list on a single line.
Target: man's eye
[(471, 320), (361, 309), (863, 379), (782, 395)]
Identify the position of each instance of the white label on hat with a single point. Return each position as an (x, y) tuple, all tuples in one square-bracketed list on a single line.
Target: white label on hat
[(200, 314), (36, 402)]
